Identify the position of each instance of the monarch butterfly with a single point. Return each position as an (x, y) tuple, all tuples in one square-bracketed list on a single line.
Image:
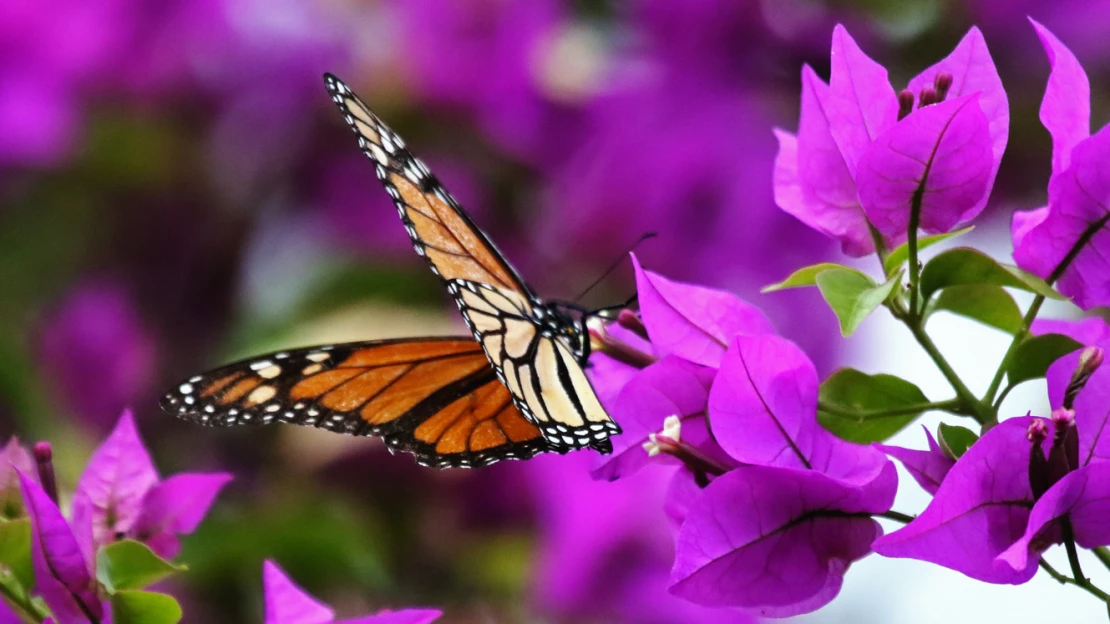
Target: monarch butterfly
[(517, 388)]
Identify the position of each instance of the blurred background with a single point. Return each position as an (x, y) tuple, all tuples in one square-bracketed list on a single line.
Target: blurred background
[(177, 190)]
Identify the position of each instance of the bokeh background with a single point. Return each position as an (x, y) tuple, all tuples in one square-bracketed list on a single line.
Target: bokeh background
[(177, 190)]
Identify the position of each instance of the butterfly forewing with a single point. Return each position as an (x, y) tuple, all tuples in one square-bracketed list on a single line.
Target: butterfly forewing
[(506, 317), (435, 398)]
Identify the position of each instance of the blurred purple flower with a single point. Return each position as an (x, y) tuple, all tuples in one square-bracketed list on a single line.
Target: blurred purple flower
[(48, 63), (63, 575), (499, 61), (1066, 241), (15, 459), (928, 468), (776, 540), (96, 352), (288, 604), (120, 496), (604, 549), (862, 150)]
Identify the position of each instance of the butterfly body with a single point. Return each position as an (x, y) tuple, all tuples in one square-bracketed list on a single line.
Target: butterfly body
[(517, 388)]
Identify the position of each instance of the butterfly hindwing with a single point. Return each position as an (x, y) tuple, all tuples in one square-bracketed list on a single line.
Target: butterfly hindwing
[(436, 398), (535, 358)]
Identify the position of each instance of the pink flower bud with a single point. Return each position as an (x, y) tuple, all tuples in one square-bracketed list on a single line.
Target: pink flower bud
[(44, 460), (943, 82), (1063, 418), (1038, 432)]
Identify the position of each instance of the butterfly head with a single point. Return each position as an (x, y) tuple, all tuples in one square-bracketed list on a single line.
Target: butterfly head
[(560, 322)]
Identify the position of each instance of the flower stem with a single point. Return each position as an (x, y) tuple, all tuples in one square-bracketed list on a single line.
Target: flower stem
[(911, 246), (1063, 579), (896, 516), (1103, 555), (969, 404), (16, 598), (951, 405), (1038, 301)]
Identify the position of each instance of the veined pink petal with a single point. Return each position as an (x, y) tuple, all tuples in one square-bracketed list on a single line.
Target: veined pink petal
[(176, 506), (110, 491), (973, 71), (1092, 406), (62, 575), (286, 603), (1075, 230), (670, 387), (763, 410), (775, 540), (1066, 107), (811, 178), (1082, 495), (979, 511), (941, 153), (861, 104), (693, 322), (928, 468)]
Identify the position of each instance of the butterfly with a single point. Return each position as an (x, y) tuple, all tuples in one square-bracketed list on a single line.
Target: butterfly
[(515, 389)]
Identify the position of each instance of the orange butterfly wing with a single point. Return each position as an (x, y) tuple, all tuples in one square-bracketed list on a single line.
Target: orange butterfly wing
[(440, 230), (436, 398)]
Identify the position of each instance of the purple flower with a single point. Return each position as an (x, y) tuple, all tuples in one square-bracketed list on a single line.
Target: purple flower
[(511, 49), (288, 604), (928, 468), (120, 495), (1012, 494), (670, 387), (604, 548), (979, 511), (763, 410), (63, 575), (1066, 241), (776, 540), (693, 322), (776, 535), (97, 352), (14, 461), (863, 153)]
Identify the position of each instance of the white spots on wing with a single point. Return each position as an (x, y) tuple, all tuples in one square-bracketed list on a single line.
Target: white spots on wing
[(270, 372), (317, 356), (261, 364), (261, 394), (311, 369), (185, 388), (209, 409), (190, 400), (273, 407), (378, 154)]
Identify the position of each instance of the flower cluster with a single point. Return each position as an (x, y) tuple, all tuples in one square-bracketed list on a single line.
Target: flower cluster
[(769, 509), (124, 525)]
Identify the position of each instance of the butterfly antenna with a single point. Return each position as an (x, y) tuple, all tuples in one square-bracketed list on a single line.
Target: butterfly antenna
[(616, 263)]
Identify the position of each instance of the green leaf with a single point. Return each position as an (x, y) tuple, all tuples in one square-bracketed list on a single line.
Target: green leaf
[(990, 305), (852, 295), (955, 441), (15, 550), (128, 564), (901, 253), (142, 607), (969, 266), (1033, 283), (805, 276), (849, 391), (1035, 354)]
